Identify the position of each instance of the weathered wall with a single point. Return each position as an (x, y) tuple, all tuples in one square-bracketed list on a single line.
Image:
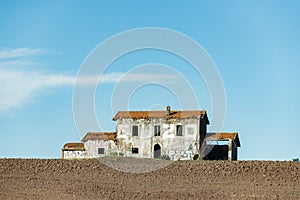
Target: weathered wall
[(91, 148), (177, 147), (73, 154)]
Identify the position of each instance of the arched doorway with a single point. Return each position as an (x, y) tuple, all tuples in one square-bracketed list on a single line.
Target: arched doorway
[(157, 151)]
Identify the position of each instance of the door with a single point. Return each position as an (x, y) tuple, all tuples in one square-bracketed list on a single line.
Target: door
[(157, 151)]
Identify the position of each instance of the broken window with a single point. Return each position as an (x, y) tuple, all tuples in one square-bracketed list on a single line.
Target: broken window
[(135, 130), (100, 150), (157, 130), (135, 150), (179, 130)]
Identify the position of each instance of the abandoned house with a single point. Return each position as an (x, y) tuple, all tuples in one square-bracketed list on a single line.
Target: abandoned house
[(152, 134), (170, 134), (73, 150)]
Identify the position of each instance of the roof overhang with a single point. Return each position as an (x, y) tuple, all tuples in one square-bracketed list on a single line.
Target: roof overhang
[(75, 146), (99, 136), (223, 136)]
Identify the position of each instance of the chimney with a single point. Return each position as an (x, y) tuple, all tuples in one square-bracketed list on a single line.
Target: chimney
[(168, 110)]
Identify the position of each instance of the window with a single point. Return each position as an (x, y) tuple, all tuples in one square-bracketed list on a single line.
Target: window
[(157, 130), (100, 150), (135, 150), (135, 130), (179, 130)]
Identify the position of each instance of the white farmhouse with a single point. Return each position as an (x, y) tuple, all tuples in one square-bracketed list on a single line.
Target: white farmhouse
[(154, 134)]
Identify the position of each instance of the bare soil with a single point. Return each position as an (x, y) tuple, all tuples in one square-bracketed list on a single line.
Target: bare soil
[(91, 179)]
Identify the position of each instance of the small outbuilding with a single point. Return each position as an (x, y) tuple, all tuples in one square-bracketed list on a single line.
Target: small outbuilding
[(220, 146), (73, 151), (99, 144)]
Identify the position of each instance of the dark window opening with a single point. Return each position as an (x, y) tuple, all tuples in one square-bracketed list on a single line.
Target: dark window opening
[(157, 130), (179, 130), (135, 130), (135, 150), (100, 150)]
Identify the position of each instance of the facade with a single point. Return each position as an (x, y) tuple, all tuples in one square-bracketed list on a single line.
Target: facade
[(73, 151), (154, 134), (99, 144)]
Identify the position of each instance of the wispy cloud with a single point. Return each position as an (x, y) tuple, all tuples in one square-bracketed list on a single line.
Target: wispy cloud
[(18, 87), (116, 77), (21, 52)]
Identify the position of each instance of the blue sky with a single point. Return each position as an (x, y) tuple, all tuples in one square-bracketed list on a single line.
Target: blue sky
[(254, 44)]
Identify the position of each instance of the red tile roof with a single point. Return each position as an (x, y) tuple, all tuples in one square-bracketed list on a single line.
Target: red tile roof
[(159, 114), (99, 136), (73, 147), (224, 136)]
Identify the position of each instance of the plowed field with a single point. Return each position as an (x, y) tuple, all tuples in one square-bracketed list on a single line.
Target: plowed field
[(91, 179)]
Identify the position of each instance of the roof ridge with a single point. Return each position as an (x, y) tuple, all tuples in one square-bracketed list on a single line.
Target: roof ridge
[(160, 114)]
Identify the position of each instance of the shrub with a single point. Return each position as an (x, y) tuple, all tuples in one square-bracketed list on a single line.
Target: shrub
[(195, 157), (296, 160), (165, 157)]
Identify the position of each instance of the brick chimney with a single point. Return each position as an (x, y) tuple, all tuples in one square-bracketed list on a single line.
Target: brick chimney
[(168, 110)]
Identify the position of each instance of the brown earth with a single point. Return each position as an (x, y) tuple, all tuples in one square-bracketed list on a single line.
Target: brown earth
[(91, 179)]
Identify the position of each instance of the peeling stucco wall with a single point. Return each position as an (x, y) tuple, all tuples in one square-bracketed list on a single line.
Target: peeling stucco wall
[(176, 147), (73, 154), (91, 148)]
